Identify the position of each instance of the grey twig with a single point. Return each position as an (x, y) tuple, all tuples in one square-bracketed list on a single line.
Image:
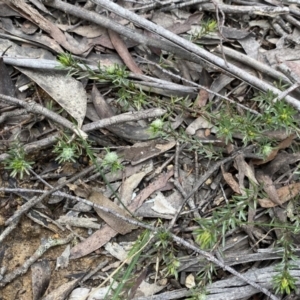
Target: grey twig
[(35, 201), (34, 107)]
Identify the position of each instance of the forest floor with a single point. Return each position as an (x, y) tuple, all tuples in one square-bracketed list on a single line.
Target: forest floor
[(149, 149)]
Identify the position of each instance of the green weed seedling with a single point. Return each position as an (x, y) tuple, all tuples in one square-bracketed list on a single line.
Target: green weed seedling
[(17, 162), (111, 161), (66, 149)]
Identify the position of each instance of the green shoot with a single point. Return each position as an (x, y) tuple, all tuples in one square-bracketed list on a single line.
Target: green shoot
[(111, 161), (16, 162), (67, 150)]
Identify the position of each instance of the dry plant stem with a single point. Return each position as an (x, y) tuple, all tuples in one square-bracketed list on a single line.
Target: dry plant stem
[(127, 117), (270, 11), (181, 241), (160, 168), (95, 270), (206, 176), (181, 5), (190, 201), (36, 108), (287, 91), (194, 49), (7, 231), (289, 73), (110, 24), (202, 87), (292, 20), (24, 208), (8, 114), (253, 63), (37, 254)]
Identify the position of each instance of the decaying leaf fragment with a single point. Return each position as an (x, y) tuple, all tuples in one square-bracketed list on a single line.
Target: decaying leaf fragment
[(231, 181), (114, 222), (285, 194)]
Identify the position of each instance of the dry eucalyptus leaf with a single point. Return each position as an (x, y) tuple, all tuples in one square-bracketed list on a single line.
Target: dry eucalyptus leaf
[(114, 222), (65, 90), (285, 193), (163, 205), (266, 181), (282, 145), (230, 181), (41, 273)]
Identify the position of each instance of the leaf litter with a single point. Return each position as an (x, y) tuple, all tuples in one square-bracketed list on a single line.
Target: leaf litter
[(206, 99)]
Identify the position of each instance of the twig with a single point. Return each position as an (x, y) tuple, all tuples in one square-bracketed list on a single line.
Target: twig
[(201, 87), (203, 179), (179, 240), (34, 107), (269, 11), (178, 185), (253, 63), (30, 204), (122, 30), (202, 53), (37, 254), (126, 117)]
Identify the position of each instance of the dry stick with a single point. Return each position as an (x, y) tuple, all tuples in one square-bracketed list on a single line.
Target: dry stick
[(201, 87), (184, 4), (122, 30), (179, 240), (269, 11), (202, 53), (34, 107), (37, 254), (24, 208), (126, 117), (253, 63)]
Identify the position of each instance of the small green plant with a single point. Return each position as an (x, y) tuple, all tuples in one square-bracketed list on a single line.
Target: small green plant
[(156, 127), (111, 161), (166, 251), (16, 161), (207, 27), (67, 150), (123, 277), (283, 281)]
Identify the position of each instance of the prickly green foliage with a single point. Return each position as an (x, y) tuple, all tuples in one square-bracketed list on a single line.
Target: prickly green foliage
[(283, 281), (16, 161), (111, 161), (207, 27), (123, 277), (66, 149)]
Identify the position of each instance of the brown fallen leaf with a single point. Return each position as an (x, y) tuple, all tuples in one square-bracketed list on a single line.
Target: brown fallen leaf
[(31, 14), (122, 50), (285, 193), (142, 151), (103, 235), (267, 183), (230, 181), (125, 130), (114, 222), (282, 145)]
